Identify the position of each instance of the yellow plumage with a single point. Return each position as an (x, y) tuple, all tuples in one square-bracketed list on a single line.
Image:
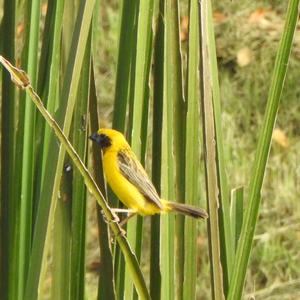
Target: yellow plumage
[(129, 181), (125, 191)]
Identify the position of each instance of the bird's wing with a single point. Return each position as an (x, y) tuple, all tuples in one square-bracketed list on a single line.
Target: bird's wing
[(134, 172)]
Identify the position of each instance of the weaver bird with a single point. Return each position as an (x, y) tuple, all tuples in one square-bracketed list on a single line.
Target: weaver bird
[(129, 181)]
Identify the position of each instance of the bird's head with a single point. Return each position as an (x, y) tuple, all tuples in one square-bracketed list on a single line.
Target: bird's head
[(109, 139)]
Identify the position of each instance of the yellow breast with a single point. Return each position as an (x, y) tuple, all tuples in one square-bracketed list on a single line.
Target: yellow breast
[(125, 191)]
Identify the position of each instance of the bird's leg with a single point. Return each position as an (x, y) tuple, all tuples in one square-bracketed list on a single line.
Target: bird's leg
[(122, 210), (130, 215), (116, 219), (115, 211)]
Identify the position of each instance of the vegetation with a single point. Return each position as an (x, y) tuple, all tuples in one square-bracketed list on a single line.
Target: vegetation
[(147, 68)]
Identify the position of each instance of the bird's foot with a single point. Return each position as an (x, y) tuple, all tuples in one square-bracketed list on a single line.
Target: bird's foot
[(115, 219)]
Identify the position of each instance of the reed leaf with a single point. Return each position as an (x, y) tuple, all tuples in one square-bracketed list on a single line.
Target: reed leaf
[(9, 203), (262, 152), (126, 57), (106, 285), (124, 91), (207, 90), (175, 92), (48, 85), (158, 85), (192, 154), (168, 166), (32, 22), (21, 80), (61, 251), (55, 156), (79, 138), (227, 254), (140, 114)]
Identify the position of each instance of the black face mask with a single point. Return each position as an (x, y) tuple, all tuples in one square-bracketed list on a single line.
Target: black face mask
[(101, 139)]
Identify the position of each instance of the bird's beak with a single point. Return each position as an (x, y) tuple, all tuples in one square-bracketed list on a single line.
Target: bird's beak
[(95, 137)]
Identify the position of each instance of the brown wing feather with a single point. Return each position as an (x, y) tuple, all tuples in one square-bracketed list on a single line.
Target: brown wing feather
[(134, 172)]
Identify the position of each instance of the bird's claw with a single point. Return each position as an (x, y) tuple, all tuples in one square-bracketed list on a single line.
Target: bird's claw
[(115, 219)]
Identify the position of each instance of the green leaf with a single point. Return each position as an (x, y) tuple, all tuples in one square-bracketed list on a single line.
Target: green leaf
[(174, 87), (158, 78), (9, 183), (192, 155), (79, 195), (140, 114), (124, 91), (55, 161), (209, 90), (106, 286), (61, 251), (227, 253), (126, 57), (130, 258), (168, 166), (32, 22), (262, 152)]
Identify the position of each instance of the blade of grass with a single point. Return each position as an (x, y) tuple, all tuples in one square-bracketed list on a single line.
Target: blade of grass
[(167, 225), (51, 20), (155, 276), (9, 253), (143, 60), (48, 85), (21, 80), (32, 22), (71, 8), (192, 154), (127, 48), (97, 28), (80, 128), (55, 159), (211, 168), (175, 92), (262, 153), (61, 44), (54, 62), (227, 253), (140, 114), (61, 252), (167, 240), (106, 286), (124, 92)]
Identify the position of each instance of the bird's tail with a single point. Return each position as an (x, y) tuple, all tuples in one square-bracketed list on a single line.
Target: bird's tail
[(186, 209)]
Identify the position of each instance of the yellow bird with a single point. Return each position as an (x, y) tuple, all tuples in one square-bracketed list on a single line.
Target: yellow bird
[(129, 181)]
